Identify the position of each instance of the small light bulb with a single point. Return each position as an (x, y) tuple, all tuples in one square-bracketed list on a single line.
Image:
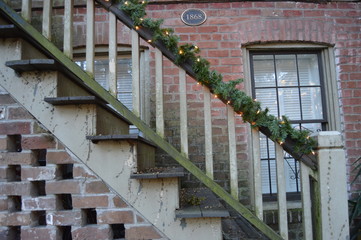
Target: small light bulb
[(281, 143), (215, 96), (126, 2), (137, 27), (258, 112), (180, 51), (149, 40), (196, 47), (313, 153)]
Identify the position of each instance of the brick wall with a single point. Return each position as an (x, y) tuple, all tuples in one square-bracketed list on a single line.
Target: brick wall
[(233, 25), (47, 193)]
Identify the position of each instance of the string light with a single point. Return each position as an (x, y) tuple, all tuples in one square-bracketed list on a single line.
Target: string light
[(313, 153), (141, 19), (281, 142), (215, 96), (198, 59), (137, 27), (258, 112), (228, 102), (181, 51), (149, 40), (126, 2), (240, 114), (166, 33), (196, 47)]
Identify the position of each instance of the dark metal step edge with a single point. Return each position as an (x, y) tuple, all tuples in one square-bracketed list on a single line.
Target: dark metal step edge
[(21, 66), (198, 212), (9, 31), (130, 137), (173, 173), (69, 100)]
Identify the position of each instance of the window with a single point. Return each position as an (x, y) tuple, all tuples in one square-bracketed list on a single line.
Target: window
[(124, 76), (289, 83)]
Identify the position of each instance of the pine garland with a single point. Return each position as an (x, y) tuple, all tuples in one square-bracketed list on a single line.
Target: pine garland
[(245, 106)]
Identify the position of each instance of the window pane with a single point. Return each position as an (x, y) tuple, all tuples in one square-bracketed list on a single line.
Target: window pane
[(124, 82), (264, 72), (311, 103), (292, 175), (308, 69), (289, 103), (267, 147), (286, 70), (268, 98), (101, 73), (312, 127), (268, 167)]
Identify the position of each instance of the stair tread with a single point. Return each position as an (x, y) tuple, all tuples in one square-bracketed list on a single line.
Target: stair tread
[(69, 100), (155, 173), (128, 137), (9, 31), (200, 202), (33, 65)]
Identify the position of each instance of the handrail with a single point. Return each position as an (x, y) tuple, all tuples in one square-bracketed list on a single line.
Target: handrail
[(36, 38), (146, 34)]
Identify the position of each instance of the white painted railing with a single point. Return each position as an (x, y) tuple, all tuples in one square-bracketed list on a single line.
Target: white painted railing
[(324, 197)]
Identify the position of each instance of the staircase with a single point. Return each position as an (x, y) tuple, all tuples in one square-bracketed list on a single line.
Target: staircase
[(94, 126)]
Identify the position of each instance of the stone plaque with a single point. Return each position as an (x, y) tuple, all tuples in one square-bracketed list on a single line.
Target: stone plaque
[(194, 17)]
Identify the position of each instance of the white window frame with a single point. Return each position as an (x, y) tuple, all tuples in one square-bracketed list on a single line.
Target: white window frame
[(330, 86)]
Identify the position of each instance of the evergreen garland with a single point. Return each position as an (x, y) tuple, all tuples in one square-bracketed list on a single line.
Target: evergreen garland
[(245, 106)]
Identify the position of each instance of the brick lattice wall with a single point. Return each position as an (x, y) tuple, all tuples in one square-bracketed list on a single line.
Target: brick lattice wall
[(46, 193)]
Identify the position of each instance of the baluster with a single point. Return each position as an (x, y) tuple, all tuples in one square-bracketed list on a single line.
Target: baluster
[(257, 179), (183, 111), (135, 73), (145, 84), (281, 192), (159, 92), (47, 13), (232, 153), (113, 55), (306, 202), (26, 10), (68, 28), (90, 36), (208, 132)]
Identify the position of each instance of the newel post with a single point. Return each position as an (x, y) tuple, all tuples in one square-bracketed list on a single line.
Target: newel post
[(331, 195)]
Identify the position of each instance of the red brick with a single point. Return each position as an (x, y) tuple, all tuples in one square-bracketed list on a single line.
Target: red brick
[(92, 232), (79, 171), (38, 173), (39, 203), (63, 186), (96, 187), (60, 157), (6, 99), (22, 158), (3, 144), (18, 113), (11, 128), (143, 232), (64, 218), (16, 188), (39, 233), (90, 201), (118, 202), (15, 219), (38, 142), (3, 204), (114, 216)]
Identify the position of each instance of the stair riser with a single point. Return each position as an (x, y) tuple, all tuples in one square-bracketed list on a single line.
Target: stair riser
[(113, 161)]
